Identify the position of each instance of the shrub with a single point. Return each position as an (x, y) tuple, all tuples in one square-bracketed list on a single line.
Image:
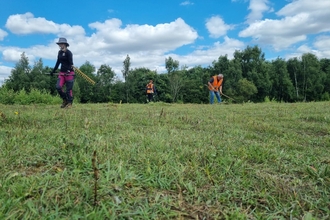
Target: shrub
[(7, 96)]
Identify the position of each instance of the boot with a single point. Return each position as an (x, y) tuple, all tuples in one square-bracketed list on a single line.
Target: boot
[(68, 105), (64, 103)]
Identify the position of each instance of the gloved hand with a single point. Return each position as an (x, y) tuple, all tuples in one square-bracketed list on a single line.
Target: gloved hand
[(51, 73)]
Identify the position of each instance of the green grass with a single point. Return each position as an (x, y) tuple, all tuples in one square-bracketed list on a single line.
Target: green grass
[(163, 161)]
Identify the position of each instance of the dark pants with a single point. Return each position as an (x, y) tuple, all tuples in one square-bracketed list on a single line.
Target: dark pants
[(150, 97), (68, 80)]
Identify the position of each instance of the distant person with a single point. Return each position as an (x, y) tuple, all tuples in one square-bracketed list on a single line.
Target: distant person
[(150, 90), (215, 87), (66, 74)]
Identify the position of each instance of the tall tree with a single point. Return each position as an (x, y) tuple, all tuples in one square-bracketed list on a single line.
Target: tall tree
[(282, 86), (171, 65), (254, 69), (325, 68), (174, 76), (88, 93), (138, 78), (105, 77), (194, 89), (314, 78), (19, 78), (295, 73), (126, 72)]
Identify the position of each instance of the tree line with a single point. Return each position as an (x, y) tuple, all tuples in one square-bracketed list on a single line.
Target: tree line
[(247, 77)]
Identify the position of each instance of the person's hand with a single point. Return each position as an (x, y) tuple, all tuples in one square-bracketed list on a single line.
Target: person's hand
[(51, 73)]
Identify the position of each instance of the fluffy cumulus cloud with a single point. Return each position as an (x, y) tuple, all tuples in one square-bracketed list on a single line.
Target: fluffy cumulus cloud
[(322, 44), (4, 73), (111, 41), (208, 54), (13, 54), (163, 37), (28, 24), (3, 34), (297, 19), (257, 8), (217, 27)]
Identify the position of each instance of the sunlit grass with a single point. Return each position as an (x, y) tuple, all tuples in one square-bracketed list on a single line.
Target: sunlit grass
[(163, 161)]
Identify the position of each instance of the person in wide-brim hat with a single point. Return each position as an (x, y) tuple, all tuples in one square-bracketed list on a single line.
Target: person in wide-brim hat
[(66, 74), (63, 40)]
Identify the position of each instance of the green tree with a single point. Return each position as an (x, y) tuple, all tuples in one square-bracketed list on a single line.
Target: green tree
[(295, 73), (126, 73), (325, 68), (105, 77), (88, 92), (171, 65), (314, 78), (138, 79), (194, 89), (19, 78), (254, 69), (245, 90), (282, 87), (175, 77)]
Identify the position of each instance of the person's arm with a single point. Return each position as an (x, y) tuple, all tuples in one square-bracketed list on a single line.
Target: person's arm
[(70, 58), (220, 89), (57, 64), (210, 83)]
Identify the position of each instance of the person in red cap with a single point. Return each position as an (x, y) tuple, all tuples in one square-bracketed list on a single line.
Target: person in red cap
[(66, 74)]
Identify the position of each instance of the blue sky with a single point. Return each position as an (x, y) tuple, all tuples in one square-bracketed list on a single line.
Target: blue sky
[(194, 32)]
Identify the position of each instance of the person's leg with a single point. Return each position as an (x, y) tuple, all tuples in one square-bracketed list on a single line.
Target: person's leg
[(69, 81), (217, 94), (211, 97), (149, 97), (59, 87)]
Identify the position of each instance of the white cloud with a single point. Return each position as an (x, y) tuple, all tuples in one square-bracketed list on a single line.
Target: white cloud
[(322, 44), (217, 27), (28, 24), (109, 44), (4, 73), (257, 7), (3, 34), (186, 3), (162, 37), (300, 19), (13, 54), (210, 53)]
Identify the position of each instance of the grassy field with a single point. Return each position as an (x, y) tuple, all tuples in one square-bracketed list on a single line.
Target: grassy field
[(163, 161)]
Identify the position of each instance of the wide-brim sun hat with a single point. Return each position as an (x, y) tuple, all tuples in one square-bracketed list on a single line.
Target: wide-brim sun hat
[(63, 40)]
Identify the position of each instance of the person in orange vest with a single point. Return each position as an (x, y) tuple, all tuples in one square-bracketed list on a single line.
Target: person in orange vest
[(150, 90), (215, 87)]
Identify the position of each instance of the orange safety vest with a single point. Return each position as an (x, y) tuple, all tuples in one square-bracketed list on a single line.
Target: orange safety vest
[(150, 88), (216, 84)]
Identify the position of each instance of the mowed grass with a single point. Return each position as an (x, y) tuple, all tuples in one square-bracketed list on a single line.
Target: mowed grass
[(165, 161)]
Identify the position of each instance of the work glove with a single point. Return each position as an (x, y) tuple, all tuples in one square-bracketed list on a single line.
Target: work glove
[(52, 73)]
